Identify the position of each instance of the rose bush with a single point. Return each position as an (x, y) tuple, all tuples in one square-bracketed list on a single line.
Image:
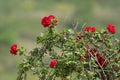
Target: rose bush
[(87, 54)]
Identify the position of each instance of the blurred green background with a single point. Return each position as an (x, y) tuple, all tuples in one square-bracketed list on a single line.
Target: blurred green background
[(20, 23)]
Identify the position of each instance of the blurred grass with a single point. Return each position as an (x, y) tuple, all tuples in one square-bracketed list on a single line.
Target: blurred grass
[(20, 23)]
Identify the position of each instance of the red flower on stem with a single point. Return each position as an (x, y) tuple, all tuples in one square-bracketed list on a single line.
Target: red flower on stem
[(93, 29), (111, 28), (53, 63), (51, 16), (89, 28), (13, 49), (47, 20)]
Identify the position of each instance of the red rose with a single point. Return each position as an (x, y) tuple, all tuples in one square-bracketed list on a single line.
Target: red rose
[(89, 28), (111, 28), (46, 21), (51, 16), (53, 63), (93, 29), (13, 49)]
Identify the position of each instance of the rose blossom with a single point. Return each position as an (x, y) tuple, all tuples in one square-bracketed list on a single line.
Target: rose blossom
[(46, 21), (111, 28), (51, 16), (89, 28), (53, 63), (93, 29), (13, 49)]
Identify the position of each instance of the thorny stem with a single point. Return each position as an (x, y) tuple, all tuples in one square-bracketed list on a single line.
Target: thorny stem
[(98, 64), (96, 59)]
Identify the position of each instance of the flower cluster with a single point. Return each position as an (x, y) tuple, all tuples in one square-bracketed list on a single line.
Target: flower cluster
[(90, 29), (49, 21), (87, 54)]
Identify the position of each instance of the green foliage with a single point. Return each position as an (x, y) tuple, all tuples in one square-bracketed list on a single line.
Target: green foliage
[(20, 22), (75, 60)]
